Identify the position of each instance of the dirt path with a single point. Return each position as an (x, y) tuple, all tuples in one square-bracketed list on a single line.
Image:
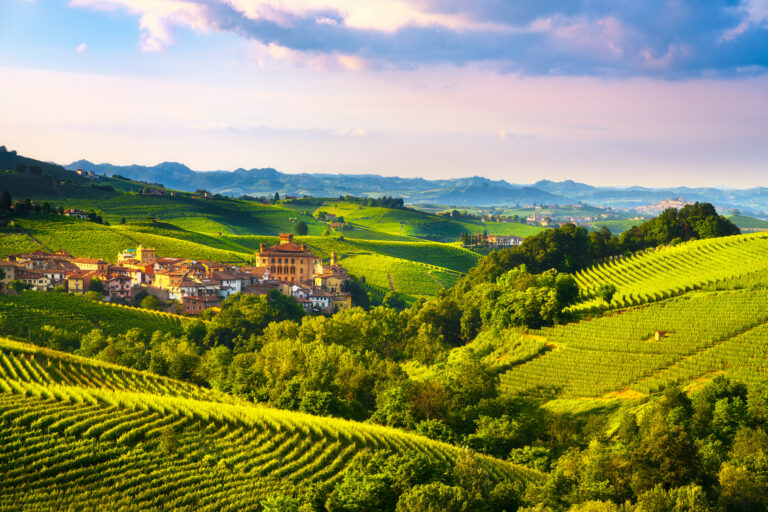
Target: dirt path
[(435, 279), (38, 242), (391, 284)]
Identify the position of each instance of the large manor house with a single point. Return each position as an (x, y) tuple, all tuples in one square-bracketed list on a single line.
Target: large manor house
[(194, 285)]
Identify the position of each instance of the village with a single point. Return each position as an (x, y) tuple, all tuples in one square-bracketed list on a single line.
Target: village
[(188, 286)]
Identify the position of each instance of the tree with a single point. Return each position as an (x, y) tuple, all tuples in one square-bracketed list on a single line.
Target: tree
[(122, 221), (6, 201), (301, 228), (606, 292), (394, 301), (434, 497), (150, 302), (19, 286), (96, 285), (280, 503), (277, 196)]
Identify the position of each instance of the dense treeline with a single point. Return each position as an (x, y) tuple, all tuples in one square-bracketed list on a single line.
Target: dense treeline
[(10, 208), (570, 248), (382, 202)]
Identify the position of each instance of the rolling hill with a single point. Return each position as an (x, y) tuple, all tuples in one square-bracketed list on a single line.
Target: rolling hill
[(664, 272), (417, 268), (78, 433)]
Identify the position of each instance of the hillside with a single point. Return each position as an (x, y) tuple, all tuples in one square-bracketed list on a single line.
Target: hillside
[(124, 439), (705, 334), (417, 267), (663, 272)]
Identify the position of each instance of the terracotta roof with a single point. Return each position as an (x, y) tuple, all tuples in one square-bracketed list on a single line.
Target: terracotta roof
[(289, 247), (87, 260), (29, 275), (119, 278)]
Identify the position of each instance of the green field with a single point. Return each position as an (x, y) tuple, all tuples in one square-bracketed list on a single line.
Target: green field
[(414, 223), (24, 315), (79, 434), (665, 272), (618, 352), (747, 224)]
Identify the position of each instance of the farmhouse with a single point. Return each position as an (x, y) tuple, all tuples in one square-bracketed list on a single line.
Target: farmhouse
[(504, 241), (37, 280), (77, 214), (194, 305), (119, 288)]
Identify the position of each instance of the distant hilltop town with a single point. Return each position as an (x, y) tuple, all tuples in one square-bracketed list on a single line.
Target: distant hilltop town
[(193, 285)]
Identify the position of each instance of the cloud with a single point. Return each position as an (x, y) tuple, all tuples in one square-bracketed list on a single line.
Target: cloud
[(81, 48), (660, 38), (353, 132)]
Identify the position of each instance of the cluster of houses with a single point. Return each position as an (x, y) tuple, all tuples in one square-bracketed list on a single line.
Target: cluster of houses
[(197, 285)]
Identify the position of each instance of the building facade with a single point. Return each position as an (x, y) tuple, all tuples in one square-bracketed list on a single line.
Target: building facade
[(287, 261)]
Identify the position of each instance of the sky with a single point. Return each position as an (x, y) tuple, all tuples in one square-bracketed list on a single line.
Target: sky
[(606, 92)]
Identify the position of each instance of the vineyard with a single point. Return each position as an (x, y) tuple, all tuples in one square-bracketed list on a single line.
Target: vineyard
[(615, 352), (658, 274), (92, 436), (27, 313)]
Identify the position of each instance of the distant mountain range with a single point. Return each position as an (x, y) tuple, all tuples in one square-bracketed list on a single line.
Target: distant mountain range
[(474, 191)]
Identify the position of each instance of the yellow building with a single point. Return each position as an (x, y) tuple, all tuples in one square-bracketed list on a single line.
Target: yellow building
[(167, 279), (287, 262), (91, 264), (342, 301), (329, 282), (145, 255)]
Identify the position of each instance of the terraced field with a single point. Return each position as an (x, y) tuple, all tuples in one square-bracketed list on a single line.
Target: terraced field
[(618, 352), (30, 311), (670, 271), (82, 238), (81, 435)]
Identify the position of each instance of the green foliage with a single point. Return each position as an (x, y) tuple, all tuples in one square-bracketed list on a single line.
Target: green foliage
[(151, 302)]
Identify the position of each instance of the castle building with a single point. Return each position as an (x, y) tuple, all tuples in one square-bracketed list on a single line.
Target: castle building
[(288, 261)]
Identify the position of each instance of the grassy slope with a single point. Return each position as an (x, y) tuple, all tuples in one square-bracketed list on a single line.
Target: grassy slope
[(419, 224), (98, 429), (749, 223)]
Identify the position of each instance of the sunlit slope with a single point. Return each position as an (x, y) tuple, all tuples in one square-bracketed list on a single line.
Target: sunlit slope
[(92, 436), (415, 223), (701, 332), (26, 314), (669, 271), (87, 239)]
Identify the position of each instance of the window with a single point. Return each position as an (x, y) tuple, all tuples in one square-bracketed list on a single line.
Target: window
[(292, 261)]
